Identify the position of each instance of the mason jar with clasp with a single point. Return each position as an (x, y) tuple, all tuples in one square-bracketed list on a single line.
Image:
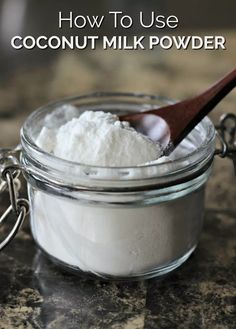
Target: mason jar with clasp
[(121, 223)]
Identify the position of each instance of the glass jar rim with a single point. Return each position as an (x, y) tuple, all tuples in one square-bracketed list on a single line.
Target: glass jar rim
[(56, 166)]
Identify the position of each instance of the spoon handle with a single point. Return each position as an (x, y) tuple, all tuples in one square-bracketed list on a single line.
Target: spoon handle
[(182, 117)]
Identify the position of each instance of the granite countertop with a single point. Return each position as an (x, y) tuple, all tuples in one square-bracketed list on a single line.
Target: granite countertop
[(201, 293)]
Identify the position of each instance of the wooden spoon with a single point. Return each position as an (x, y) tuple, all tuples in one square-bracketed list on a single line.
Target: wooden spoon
[(170, 124)]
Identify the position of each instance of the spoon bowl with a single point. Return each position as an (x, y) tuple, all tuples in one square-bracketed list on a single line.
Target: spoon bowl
[(151, 125)]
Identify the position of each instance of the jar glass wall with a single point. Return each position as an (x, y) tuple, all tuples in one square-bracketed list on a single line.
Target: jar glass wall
[(116, 223)]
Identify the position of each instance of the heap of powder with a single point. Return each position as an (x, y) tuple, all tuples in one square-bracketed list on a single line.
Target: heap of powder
[(99, 138)]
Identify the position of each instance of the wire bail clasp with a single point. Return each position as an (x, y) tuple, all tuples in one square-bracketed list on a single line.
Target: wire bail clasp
[(226, 132), (10, 170)]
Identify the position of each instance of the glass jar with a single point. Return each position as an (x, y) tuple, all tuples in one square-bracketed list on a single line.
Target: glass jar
[(115, 223)]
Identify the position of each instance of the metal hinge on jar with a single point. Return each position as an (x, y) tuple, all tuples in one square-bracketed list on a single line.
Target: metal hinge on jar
[(10, 170), (226, 132)]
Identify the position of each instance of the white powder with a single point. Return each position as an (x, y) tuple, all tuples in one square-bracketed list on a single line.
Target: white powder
[(117, 240), (99, 138)]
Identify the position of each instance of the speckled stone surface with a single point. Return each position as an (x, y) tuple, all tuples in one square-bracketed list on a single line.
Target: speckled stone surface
[(34, 293)]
